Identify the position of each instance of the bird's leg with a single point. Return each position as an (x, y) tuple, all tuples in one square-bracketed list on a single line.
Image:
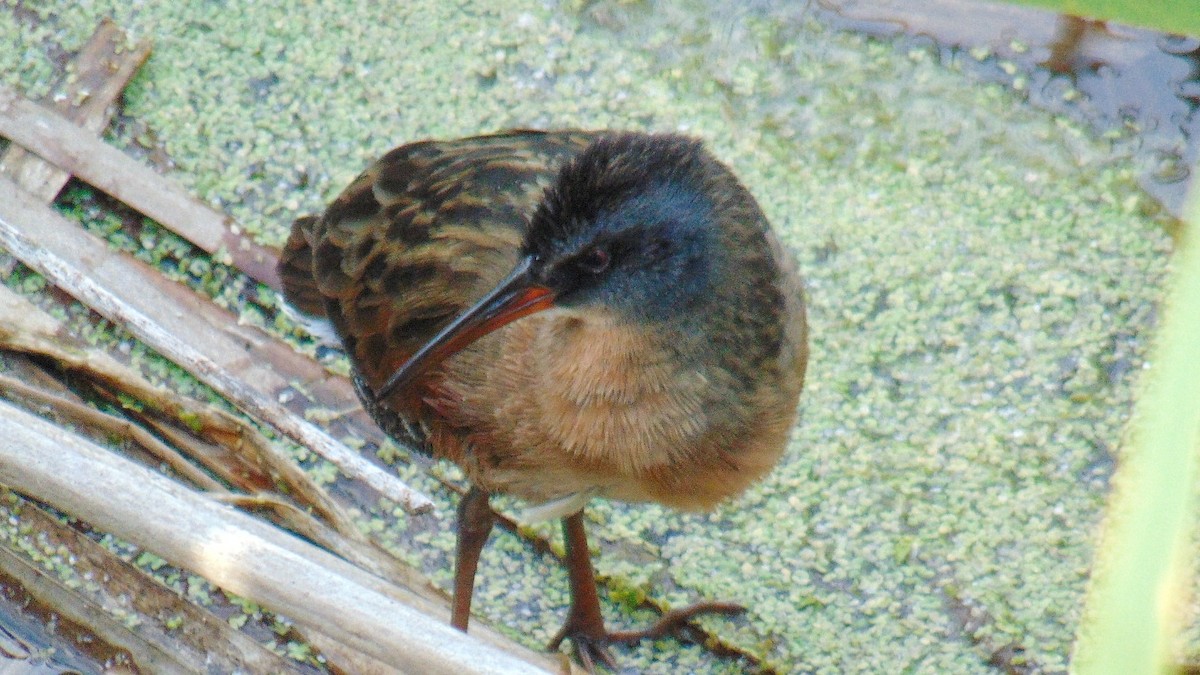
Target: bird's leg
[(585, 624), (475, 519)]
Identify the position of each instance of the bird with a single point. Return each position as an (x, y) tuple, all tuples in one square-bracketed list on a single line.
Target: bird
[(565, 315)]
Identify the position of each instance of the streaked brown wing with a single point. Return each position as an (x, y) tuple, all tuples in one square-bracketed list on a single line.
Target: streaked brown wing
[(418, 237), (295, 270)]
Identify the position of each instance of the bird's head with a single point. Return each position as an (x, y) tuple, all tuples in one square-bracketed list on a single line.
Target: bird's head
[(631, 228)]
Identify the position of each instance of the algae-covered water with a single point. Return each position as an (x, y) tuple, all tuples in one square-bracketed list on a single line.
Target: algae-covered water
[(981, 276)]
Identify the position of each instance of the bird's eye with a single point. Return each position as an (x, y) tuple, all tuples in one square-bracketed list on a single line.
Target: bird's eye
[(595, 260)]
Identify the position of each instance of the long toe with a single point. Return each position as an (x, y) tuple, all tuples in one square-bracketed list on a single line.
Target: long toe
[(675, 622), (589, 652), (589, 649)]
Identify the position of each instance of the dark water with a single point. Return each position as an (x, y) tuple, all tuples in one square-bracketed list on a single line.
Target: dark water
[(35, 640), (1136, 87)]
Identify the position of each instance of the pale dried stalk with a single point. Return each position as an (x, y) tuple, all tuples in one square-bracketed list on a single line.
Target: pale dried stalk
[(60, 253), (64, 144), (153, 646), (88, 416), (27, 329), (234, 551), (85, 96)]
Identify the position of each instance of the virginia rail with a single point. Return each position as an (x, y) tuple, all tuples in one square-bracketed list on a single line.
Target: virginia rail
[(659, 354)]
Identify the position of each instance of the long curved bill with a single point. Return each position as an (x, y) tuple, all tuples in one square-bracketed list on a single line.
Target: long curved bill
[(515, 297)]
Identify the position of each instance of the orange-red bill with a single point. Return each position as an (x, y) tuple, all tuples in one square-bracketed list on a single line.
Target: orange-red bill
[(515, 297)]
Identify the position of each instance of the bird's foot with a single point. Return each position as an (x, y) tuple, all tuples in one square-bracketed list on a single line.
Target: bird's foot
[(589, 651), (590, 642)]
